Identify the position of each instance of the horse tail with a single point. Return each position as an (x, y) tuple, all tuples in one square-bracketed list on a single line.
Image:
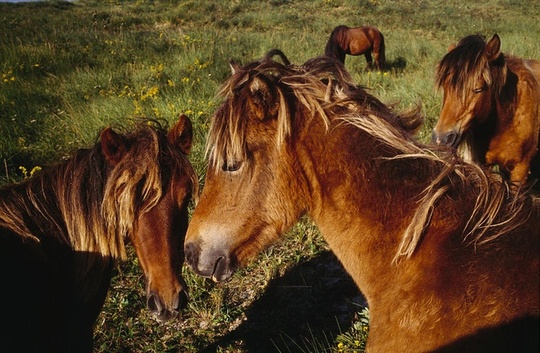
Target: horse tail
[(333, 48), (270, 55)]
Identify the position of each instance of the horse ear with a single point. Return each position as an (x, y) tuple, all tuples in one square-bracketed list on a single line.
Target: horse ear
[(113, 146), (234, 66), (493, 48), (451, 47), (181, 134), (263, 98)]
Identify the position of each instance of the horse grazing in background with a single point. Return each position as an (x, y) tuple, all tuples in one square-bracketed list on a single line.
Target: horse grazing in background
[(365, 40), (443, 252), (491, 106), (62, 231)]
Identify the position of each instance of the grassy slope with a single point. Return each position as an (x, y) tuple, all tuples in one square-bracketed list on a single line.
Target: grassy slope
[(68, 70)]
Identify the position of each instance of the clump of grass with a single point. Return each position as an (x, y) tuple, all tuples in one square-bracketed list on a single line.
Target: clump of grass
[(355, 339)]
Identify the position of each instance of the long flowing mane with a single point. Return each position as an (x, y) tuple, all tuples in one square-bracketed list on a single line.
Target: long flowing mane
[(87, 205), (460, 67), (326, 90)]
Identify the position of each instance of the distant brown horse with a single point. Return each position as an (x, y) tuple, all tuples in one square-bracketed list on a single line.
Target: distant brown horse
[(62, 231), (445, 255), (491, 106), (365, 40)]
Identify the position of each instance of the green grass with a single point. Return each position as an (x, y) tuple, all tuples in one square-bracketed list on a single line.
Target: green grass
[(69, 69)]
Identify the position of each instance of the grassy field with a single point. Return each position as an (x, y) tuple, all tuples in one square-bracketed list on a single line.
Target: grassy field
[(69, 69)]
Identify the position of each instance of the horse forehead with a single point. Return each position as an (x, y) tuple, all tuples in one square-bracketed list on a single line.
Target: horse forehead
[(460, 82)]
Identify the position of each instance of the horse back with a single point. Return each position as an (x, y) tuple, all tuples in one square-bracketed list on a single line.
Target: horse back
[(360, 39)]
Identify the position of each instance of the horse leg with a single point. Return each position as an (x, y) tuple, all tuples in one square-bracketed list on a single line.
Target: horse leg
[(516, 171), (519, 173), (376, 60), (369, 60)]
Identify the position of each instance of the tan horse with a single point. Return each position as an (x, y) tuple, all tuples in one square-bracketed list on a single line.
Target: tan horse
[(62, 231), (491, 106), (446, 257), (366, 40)]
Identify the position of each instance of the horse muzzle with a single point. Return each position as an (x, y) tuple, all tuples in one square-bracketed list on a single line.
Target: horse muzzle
[(449, 138), (215, 264), (164, 312)]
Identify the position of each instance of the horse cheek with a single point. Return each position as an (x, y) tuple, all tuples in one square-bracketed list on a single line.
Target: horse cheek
[(448, 118), (482, 107), (451, 112)]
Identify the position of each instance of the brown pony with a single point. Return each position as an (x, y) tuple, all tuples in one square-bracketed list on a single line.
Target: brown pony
[(443, 252), (62, 231), (491, 106), (365, 40)]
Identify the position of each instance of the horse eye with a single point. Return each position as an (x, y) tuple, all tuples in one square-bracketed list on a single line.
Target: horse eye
[(478, 90), (231, 166)]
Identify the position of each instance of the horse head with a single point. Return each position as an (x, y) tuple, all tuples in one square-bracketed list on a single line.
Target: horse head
[(246, 156), (466, 75), (154, 174)]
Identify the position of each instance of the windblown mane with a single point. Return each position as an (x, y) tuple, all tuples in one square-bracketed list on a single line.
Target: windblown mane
[(88, 205), (324, 87), (461, 66)]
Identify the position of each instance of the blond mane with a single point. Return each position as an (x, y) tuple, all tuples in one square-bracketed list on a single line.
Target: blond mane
[(85, 204), (327, 91)]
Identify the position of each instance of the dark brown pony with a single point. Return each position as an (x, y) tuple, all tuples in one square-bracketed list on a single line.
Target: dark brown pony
[(491, 106), (62, 231), (443, 252), (365, 40)]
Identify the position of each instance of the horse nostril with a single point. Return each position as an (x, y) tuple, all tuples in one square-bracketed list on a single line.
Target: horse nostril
[(447, 139), (191, 252), (451, 139), (163, 312), (153, 303)]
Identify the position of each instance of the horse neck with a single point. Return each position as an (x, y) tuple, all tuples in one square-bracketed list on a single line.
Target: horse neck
[(334, 50), (498, 120), (475, 143), (63, 206), (344, 187), (506, 100), (36, 209)]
